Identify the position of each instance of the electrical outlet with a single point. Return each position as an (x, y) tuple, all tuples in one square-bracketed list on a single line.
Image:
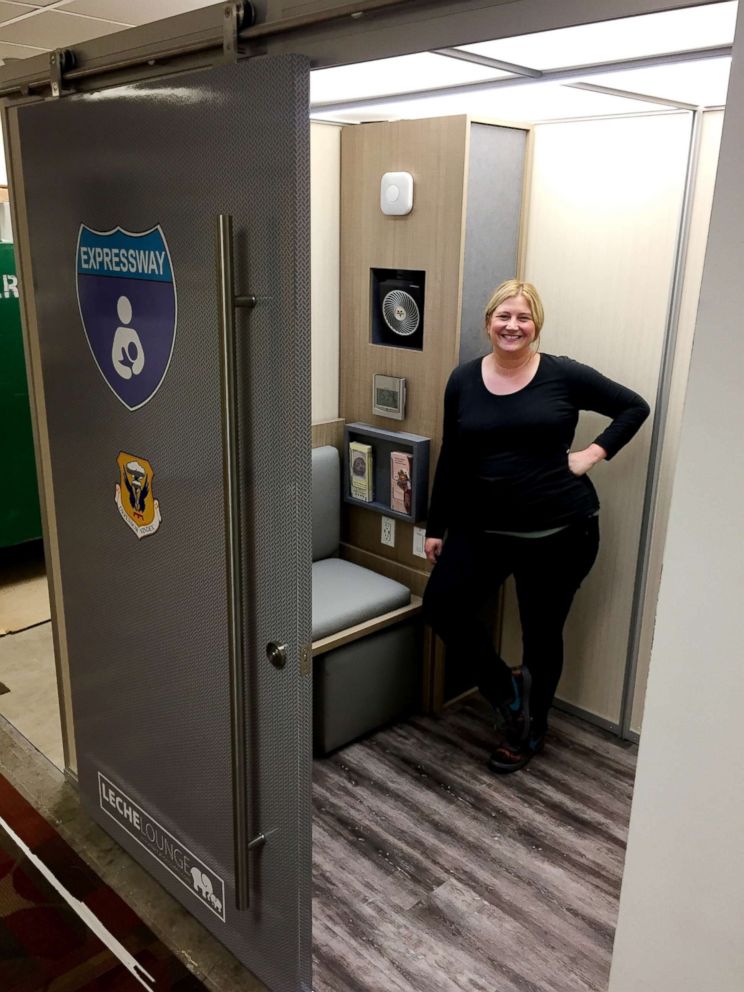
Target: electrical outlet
[(419, 536), (387, 533)]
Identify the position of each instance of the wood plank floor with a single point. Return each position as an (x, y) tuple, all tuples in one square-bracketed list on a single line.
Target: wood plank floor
[(433, 874)]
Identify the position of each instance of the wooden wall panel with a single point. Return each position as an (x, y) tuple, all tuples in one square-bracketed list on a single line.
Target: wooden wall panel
[(604, 213), (434, 151), (325, 192), (328, 432)]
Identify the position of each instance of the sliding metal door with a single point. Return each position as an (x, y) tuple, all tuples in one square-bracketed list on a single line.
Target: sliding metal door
[(178, 421)]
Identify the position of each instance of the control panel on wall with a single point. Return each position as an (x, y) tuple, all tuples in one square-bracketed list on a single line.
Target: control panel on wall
[(388, 396), (397, 307)]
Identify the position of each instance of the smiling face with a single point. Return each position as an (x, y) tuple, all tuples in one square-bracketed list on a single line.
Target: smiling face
[(511, 327)]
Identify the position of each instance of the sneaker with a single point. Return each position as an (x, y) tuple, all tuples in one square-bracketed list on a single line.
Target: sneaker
[(515, 716), (511, 757)]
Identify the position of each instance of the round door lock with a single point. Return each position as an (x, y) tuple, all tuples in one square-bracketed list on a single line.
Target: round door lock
[(277, 654)]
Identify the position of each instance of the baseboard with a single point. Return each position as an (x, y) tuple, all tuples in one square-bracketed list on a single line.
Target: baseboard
[(598, 721)]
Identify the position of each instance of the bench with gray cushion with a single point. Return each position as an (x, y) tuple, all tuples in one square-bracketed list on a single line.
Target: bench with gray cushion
[(366, 630)]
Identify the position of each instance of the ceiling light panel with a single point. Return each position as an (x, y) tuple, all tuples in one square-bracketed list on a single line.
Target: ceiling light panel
[(520, 104), (703, 83), (397, 75), (610, 41)]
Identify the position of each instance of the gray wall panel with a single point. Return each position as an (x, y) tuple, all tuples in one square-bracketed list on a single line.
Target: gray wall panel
[(494, 205)]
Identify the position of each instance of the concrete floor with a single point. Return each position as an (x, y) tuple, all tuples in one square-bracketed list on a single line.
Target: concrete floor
[(28, 678), (31, 705), (48, 791)]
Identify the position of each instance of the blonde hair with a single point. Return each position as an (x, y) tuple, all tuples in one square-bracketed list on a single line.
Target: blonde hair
[(513, 287)]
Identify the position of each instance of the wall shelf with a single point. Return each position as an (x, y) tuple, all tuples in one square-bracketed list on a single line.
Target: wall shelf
[(383, 442)]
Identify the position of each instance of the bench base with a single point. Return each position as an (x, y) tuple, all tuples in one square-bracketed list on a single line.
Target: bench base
[(362, 685)]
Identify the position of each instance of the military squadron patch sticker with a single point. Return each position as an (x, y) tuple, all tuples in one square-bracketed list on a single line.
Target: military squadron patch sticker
[(138, 507), (128, 306)]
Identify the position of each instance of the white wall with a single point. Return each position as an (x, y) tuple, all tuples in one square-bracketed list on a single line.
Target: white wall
[(325, 203), (604, 212), (681, 921), (710, 141)]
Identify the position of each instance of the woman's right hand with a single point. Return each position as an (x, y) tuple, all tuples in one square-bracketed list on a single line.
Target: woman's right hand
[(433, 548)]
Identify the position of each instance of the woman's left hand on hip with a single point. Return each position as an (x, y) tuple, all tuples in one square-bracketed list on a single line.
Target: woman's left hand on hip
[(579, 462)]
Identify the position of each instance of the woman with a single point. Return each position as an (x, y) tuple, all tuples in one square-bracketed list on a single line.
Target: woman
[(514, 500)]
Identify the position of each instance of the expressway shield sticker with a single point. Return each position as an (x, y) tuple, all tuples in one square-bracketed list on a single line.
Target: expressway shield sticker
[(127, 298)]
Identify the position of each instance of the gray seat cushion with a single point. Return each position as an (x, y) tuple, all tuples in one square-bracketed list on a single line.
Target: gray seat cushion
[(345, 594), (326, 502)]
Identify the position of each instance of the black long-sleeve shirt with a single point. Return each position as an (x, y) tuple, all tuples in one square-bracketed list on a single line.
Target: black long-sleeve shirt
[(504, 459)]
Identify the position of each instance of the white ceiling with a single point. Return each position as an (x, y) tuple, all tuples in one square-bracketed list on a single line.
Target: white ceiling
[(417, 72), (580, 54), (696, 83), (30, 27), (36, 26), (526, 104), (608, 41)]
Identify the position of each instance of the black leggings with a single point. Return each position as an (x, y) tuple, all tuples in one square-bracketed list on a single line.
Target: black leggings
[(547, 572)]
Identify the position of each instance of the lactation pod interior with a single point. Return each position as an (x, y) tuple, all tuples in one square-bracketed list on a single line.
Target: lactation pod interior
[(572, 207)]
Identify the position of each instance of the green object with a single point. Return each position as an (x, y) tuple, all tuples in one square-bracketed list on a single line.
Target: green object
[(20, 518)]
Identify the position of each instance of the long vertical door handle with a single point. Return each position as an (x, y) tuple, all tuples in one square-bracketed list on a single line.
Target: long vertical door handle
[(235, 598)]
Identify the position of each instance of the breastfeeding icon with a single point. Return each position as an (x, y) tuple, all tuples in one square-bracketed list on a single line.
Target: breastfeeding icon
[(127, 353)]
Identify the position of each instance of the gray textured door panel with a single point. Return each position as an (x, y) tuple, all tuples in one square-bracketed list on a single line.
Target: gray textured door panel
[(146, 617)]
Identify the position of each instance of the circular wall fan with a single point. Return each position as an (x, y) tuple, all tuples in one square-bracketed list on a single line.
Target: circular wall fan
[(400, 312)]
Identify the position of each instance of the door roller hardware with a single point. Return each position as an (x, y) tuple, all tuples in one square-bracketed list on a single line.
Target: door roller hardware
[(277, 654), (61, 60), (237, 17)]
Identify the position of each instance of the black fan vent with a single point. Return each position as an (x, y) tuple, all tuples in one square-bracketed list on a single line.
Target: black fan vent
[(401, 313)]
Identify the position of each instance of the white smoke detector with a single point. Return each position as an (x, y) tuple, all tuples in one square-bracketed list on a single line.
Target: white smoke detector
[(396, 193)]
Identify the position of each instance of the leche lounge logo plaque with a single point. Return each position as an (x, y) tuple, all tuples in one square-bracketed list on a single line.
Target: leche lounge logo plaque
[(174, 856)]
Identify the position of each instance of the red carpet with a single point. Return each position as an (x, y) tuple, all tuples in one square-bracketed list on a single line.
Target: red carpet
[(44, 944)]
